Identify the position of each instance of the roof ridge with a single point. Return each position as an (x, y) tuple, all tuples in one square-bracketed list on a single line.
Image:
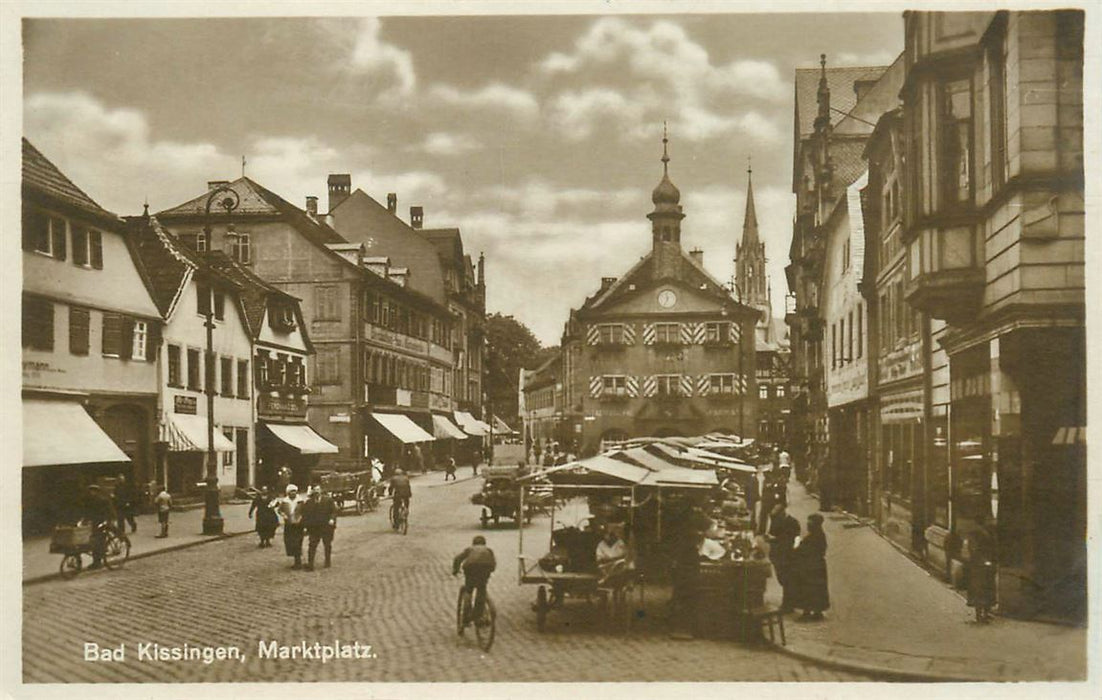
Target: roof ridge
[(56, 170)]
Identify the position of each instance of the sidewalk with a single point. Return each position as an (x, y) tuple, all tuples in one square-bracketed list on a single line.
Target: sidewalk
[(890, 617), (185, 530)]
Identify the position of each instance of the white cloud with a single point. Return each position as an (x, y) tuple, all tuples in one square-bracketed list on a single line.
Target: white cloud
[(373, 56), (878, 58), (670, 76), (440, 143), (494, 97)]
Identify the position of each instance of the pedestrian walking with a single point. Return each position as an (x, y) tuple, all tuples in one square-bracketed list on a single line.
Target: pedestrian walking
[(266, 519), (449, 469), (768, 500), (978, 551), (125, 503), (319, 518), (809, 571), (289, 509), (163, 503), (783, 531)]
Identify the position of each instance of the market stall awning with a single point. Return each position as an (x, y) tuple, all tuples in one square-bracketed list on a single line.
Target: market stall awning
[(402, 428), (471, 425), (303, 438), (62, 432), (723, 460), (682, 478), (501, 427), (442, 428), (596, 470), (185, 433), (641, 457)]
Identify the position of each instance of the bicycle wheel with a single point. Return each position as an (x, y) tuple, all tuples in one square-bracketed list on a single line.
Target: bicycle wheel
[(116, 549), (393, 516), (405, 520), (70, 565), (461, 607), (485, 631)]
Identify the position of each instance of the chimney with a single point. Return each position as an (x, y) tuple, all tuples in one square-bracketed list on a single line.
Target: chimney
[(862, 87), (312, 206), (697, 255), (416, 216), (481, 269), (340, 186), (392, 203), (215, 184), (606, 282)]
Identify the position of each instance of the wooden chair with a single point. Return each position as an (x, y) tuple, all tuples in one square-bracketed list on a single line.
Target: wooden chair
[(760, 617)]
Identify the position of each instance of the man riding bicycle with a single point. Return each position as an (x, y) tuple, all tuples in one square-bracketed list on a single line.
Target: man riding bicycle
[(400, 489), (477, 562), (99, 511)]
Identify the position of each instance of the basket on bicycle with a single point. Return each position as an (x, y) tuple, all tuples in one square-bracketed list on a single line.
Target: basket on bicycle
[(69, 538)]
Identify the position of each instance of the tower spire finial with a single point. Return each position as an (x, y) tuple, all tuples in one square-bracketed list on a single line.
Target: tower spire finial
[(665, 148)]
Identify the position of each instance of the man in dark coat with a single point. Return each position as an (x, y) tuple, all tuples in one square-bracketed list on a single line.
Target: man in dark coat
[(99, 511), (125, 498), (783, 532), (809, 571), (319, 519)]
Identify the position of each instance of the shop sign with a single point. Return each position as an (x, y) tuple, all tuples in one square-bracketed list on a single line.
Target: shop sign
[(403, 397), (340, 418), (185, 404), (397, 340)]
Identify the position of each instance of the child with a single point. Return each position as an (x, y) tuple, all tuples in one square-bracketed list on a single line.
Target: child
[(163, 501)]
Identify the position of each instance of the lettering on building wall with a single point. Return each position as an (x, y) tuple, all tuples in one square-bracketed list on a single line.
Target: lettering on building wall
[(185, 404)]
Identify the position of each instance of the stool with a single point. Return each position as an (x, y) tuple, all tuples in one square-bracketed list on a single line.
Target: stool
[(767, 615)]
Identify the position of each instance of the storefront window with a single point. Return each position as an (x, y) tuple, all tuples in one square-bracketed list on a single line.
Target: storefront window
[(939, 471)]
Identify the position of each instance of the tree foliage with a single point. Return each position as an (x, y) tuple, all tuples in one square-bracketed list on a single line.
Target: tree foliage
[(511, 346)]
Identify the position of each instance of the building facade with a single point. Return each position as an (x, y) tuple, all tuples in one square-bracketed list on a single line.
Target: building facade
[(541, 406), (91, 334), (664, 350)]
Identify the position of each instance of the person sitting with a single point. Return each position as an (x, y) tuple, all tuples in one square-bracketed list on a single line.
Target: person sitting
[(611, 552)]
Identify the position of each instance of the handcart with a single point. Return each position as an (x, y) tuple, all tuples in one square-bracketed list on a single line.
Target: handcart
[(74, 541), (351, 489), (500, 493)]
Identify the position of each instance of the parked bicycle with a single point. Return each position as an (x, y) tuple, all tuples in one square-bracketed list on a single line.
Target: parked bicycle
[(484, 627), (399, 517), (75, 541)]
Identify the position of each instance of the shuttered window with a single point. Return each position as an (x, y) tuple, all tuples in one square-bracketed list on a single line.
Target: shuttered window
[(38, 323), (242, 379), (174, 365), (227, 376), (79, 330), (112, 335)]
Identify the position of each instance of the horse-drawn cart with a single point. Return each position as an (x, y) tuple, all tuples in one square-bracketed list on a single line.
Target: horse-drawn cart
[(354, 489), (500, 496)]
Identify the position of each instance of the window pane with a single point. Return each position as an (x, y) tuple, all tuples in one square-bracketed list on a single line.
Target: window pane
[(174, 365)]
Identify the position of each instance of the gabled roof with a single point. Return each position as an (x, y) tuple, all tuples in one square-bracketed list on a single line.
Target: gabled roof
[(166, 264), (880, 98), (40, 175), (843, 97), (255, 293)]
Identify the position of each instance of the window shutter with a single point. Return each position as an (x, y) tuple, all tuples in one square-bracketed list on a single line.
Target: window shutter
[(126, 335), (629, 334), (79, 323), (648, 334), (202, 294), (112, 334), (686, 385), (686, 332), (631, 384), (33, 222), (595, 385), (593, 335), (703, 385), (734, 332), (95, 239), (650, 386), (152, 340), (60, 237)]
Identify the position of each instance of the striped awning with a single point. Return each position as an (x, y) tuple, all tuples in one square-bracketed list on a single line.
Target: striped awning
[(1071, 435), (185, 433)]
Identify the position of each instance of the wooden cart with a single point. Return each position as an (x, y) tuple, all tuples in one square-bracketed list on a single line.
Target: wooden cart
[(350, 489)]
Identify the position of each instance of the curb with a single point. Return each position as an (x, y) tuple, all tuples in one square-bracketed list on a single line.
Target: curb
[(174, 548), (877, 672)]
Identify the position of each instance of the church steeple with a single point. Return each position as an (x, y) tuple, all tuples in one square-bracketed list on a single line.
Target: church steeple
[(750, 278)]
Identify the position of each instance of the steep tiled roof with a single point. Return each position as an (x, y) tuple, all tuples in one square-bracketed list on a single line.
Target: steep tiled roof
[(848, 158), (880, 98), (254, 290), (842, 95), (167, 266), (41, 175)]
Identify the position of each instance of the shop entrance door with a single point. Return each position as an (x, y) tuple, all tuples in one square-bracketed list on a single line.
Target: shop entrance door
[(243, 457)]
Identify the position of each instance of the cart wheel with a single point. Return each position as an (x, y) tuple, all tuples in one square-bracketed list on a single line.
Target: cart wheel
[(485, 519), (541, 608), (70, 565), (361, 501)]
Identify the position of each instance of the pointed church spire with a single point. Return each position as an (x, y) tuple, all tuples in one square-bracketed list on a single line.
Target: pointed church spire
[(750, 221), (823, 95), (665, 150)]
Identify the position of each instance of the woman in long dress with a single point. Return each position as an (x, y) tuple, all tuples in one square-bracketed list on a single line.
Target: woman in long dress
[(266, 519), (810, 571)]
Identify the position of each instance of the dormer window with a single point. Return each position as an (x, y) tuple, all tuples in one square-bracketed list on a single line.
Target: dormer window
[(201, 242), (282, 317), (239, 246)]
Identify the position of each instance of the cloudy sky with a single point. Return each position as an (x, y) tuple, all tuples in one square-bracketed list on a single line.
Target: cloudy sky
[(538, 136)]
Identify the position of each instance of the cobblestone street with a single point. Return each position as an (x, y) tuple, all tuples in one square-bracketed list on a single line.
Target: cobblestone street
[(392, 592)]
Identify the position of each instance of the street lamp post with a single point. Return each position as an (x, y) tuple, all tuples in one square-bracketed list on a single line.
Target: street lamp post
[(212, 515)]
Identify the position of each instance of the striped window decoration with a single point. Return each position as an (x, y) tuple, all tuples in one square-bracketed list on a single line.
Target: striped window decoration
[(595, 385), (650, 386), (703, 384), (632, 384), (740, 384), (686, 385), (688, 333), (593, 335), (629, 334), (648, 335), (698, 333), (734, 332)]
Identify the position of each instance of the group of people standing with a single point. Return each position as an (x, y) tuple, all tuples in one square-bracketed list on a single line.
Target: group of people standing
[(313, 517), (800, 562)]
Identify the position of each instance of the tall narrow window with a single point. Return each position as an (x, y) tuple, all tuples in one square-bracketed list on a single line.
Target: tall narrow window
[(174, 365), (80, 246), (242, 379), (95, 249), (193, 369), (860, 332), (79, 330), (112, 335), (219, 306), (956, 142), (849, 339), (139, 340), (227, 376)]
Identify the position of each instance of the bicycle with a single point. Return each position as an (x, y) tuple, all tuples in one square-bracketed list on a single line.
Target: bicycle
[(485, 627), (73, 542), (399, 517)]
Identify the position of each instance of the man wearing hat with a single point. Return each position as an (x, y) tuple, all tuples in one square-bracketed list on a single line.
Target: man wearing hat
[(289, 508), (319, 517)]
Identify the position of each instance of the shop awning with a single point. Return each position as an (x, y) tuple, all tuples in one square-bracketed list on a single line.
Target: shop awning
[(502, 428), (1071, 435), (303, 438), (185, 433), (402, 428), (471, 425), (443, 429), (62, 432)]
